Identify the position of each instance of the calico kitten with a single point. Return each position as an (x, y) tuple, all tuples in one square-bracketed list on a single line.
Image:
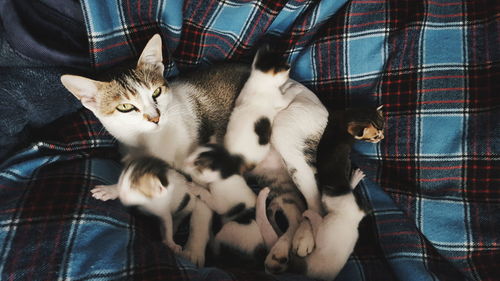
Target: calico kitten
[(249, 130), (333, 157), (150, 184), (228, 195), (335, 235)]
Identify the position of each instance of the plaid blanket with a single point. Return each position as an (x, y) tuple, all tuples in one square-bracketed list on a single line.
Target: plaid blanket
[(432, 182)]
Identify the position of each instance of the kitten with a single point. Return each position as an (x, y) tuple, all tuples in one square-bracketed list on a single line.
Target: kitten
[(283, 213), (228, 195), (335, 235), (150, 184), (334, 149), (333, 160), (249, 130)]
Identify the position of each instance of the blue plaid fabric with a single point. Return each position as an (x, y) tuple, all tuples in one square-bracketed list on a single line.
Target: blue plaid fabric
[(432, 182)]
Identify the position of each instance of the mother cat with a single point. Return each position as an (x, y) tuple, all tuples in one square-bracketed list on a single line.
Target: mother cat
[(169, 120)]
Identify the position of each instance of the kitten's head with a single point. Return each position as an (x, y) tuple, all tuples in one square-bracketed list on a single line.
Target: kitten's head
[(211, 163), (366, 123), (143, 178), (132, 102), (272, 65)]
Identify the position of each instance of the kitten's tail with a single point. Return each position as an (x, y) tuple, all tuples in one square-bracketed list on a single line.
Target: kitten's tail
[(266, 229)]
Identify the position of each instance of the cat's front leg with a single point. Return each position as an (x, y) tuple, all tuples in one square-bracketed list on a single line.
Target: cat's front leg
[(203, 194), (105, 192), (169, 234), (199, 233), (303, 241), (304, 238)]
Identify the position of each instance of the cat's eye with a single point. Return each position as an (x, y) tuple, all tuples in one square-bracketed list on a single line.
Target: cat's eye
[(125, 107), (157, 93)]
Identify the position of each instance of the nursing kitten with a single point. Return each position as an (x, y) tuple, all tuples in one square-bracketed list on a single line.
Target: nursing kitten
[(334, 150), (228, 195), (150, 184), (249, 130), (284, 207), (169, 121), (335, 235), (333, 159)]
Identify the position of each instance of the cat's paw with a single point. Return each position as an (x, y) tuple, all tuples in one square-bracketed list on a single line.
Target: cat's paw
[(105, 192), (194, 256), (356, 177), (277, 260), (176, 248), (303, 241)]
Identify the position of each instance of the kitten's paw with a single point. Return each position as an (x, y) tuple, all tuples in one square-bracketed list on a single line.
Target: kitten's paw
[(105, 192), (303, 240), (196, 257), (278, 258), (177, 249), (356, 177)]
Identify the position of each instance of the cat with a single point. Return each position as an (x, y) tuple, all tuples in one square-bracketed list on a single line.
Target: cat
[(150, 184), (334, 149), (335, 235), (228, 195), (170, 119), (249, 130)]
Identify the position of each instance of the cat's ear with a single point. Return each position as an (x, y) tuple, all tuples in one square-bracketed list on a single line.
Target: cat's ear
[(152, 54), (161, 188), (379, 109), (356, 129), (82, 88)]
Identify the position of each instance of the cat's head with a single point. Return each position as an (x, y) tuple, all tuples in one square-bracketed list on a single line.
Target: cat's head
[(131, 103), (210, 163), (366, 124), (272, 65), (143, 178)]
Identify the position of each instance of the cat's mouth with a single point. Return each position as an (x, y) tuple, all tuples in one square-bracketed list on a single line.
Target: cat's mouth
[(376, 139)]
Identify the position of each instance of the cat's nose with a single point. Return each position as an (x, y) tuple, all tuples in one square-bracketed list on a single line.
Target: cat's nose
[(155, 119)]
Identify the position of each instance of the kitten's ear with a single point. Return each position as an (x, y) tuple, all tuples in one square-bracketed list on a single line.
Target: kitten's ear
[(82, 88), (152, 54), (161, 189), (356, 129), (380, 108)]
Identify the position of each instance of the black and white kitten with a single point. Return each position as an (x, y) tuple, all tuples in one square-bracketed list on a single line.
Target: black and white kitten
[(228, 195), (249, 129)]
